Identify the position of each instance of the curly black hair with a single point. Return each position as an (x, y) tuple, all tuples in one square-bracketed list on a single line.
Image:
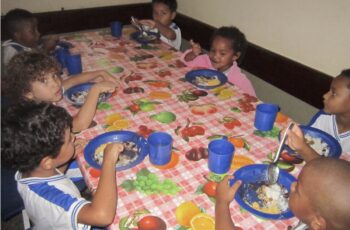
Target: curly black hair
[(172, 4), (31, 131), (237, 38), (23, 69), (14, 19)]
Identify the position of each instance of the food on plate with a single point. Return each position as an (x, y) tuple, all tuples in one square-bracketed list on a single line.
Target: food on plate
[(317, 144), (206, 80), (126, 157), (270, 199), (147, 37), (80, 97)]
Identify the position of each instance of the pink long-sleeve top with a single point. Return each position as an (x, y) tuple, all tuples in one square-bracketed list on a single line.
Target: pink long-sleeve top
[(234, 74)]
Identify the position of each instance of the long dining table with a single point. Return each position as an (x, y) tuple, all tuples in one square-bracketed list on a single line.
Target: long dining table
[(154, 96)]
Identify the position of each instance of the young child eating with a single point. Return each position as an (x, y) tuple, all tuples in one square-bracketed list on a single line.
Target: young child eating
[(227, 45), (318, 198), (37, 140), (164, 12)]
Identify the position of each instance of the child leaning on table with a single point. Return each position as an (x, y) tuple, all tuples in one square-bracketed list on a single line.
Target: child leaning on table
[(22, 29), (319, 198), (334, 119), (36, 140), (227, 46), (164, 12), (35, 77)]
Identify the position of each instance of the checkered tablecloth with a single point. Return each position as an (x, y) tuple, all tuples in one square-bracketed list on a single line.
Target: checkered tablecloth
[(101, 51)]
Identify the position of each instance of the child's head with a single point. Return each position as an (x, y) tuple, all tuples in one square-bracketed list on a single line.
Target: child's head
[(35, 135), (320, 198), (22, 27), (227, 45), (33, 76), (164, 11), (337, 99)]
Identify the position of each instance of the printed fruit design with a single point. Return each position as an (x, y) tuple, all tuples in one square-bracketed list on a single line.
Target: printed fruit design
[(159, 95), (144, 131), (237, 141), (133, 77), (113, 117), (142, 104), (116, 122), (146, 65), (281, 118), (202, 221), (239, 161), (167, 55), (116, 69), (157, 83), (135, 89), (210, 188), (223, 93), (165, 117), (288, 166), (290, 159), (204, 109), (185, 212), (189, 131), (94, 172), (163, 73), (141, 57), (230, 122), (191, 95), (175, 158), (245, 104), (151, 223), (195, 154)]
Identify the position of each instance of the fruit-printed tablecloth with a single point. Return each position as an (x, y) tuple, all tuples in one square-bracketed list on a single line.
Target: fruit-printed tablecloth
[(155, 97)]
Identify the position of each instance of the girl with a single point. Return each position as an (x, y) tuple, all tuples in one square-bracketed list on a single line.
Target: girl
[(227, 45)]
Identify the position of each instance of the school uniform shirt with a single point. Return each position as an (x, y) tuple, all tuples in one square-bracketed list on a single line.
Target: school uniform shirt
[(233, 74), (10, 49), (51, 202), (176, 43), (328, 124)]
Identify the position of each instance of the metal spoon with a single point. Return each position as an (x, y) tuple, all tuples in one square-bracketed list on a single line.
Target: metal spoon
[(139, 25), (273, 171)]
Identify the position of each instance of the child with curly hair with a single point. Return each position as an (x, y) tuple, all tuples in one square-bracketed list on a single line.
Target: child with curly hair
[(37, 140), (227, 46)]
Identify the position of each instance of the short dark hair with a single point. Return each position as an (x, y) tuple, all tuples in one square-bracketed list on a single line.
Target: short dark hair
[(14, 19), (346, 73), (32, 131), (237, 38), (23, 69), (172, 4)]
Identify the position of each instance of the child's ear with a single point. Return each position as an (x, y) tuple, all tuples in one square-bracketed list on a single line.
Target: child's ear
[(173, 15), (236, 56), (29, 95), (318, 223), (46, 163)]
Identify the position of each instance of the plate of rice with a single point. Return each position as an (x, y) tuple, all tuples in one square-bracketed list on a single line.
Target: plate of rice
[(323, 143), (135, 149), (77, 94), (206, 78), (260, 199)]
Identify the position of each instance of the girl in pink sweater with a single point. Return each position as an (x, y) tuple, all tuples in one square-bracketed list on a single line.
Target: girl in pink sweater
[(227, 45)]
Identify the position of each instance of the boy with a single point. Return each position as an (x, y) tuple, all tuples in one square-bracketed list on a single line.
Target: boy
[(22, 28), (35, 77), (318, 199), (164, 12), (335, 120), (36, 140)]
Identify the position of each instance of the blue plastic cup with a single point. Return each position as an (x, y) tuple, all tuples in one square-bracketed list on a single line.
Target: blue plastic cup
[(160, 144), (220, 156), (74, 65), (61, 56), (116, 29), (265, 116)]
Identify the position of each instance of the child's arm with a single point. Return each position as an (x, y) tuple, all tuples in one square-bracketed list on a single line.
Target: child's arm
[(196, 50), (297, 142), (102, 209), (95, 76), (84, 117), (166, 31), (48, 43), (224, 195)]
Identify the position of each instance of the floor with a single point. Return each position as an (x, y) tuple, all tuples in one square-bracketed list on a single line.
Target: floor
[(15, 223)]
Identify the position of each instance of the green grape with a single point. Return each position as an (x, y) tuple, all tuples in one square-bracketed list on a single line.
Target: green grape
[(142, 178), (142, 183)]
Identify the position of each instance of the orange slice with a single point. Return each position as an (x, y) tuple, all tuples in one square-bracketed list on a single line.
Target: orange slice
[(280, 118), (202, 221), (175, 158), (239, 161), (112, 118), (236, 141), (159, 95), (184, 213), (118, 125)]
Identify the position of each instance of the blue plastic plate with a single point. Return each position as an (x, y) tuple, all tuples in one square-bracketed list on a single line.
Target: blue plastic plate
[(152, 36), (206, 73), (116, 136), (335, 149), (69, 93), (256, 174)]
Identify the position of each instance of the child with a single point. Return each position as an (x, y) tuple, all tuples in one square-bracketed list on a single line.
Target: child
[(35, 77), (164, 12), (318, 199), (36, 140), (22, 28), (227, 45), (335, 120)]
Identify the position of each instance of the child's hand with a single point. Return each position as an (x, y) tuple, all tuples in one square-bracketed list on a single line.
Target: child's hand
[(105, 87), (148, 23), (225, 193), (103, 75), (196, 48), (79, 145), (49, 43), (112, 151), (295, 138)]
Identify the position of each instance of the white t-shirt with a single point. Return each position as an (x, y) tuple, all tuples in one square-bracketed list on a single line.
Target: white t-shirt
[(51, 202), (328, 124), (9, 50), (176, 43)]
